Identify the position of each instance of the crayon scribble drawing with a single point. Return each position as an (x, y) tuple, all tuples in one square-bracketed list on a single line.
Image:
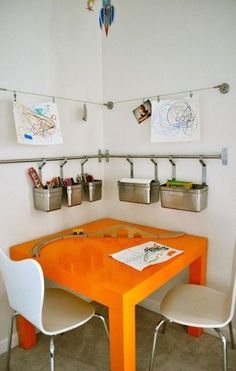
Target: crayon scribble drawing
[(175, 120), (37, 123)]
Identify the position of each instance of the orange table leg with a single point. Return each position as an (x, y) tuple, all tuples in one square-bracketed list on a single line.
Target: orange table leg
[(197, 275), (122, 338), (26, 333)]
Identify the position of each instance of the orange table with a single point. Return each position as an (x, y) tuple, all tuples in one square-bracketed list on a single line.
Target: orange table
[(84, 265)]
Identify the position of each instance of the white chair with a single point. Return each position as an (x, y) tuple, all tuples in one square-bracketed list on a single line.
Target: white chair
[(53, 311), (199, 306)]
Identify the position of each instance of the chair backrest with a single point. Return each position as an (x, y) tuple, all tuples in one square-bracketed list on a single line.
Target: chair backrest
[(24, 283), (232, 296)]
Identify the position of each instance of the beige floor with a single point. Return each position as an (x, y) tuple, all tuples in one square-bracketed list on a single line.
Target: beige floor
[(86, 349)]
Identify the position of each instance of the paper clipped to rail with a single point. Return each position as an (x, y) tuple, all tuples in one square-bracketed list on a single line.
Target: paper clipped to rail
[(37, 123), (175, 120), (145, 254)]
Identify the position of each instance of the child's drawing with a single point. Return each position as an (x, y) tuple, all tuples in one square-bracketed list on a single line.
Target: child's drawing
[(175, 120), (37, 123)]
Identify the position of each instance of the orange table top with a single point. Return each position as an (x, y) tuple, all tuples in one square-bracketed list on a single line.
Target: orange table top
[(84, 264)]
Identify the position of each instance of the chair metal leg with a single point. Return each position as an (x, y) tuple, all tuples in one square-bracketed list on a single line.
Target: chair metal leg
[(231, 336), (104, 323), (52, 349), (9, 342), (156, 331), (224, 345)]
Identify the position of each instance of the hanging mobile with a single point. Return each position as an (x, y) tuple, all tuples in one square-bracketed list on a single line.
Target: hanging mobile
[(106, 16), (90, 5)]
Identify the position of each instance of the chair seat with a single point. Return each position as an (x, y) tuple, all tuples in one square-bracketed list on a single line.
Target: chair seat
[(195, 305), (63, 311)]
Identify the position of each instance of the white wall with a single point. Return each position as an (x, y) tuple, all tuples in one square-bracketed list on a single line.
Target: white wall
[(164, 46), (155, 47), (51, 47)]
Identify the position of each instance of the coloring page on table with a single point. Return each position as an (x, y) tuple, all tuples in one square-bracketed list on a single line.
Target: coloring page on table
[(146, 254), (175, 120)]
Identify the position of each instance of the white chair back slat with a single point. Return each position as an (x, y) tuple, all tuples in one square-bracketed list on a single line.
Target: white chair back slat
[(232, 296), (25, 287)]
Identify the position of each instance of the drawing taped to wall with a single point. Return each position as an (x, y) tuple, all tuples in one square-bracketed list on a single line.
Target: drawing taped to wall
[(143, 111), (37, 123), (175, 120)]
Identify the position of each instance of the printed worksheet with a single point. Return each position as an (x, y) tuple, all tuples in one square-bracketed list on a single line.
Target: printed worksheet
[(146, 254)]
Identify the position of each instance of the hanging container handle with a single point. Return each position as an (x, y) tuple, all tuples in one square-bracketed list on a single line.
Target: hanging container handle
[(131, 167), (155, 169), (173, 168), (204, 170)]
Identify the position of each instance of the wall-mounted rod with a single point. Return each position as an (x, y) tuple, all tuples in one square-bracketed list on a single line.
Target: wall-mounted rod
[(190, 156), (24, 160), (14, 91), (223, 88), (220, 156)]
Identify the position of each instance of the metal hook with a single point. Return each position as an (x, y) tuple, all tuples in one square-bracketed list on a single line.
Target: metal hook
[(40, 168), (173, 168), (203, 170), (155, 168), (14, 96), (131, 167), (85, 112), (158, 99), (82, 164), (61, 168), (191, 94), (53, 99)]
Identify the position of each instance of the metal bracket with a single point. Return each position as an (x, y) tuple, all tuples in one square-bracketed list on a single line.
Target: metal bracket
[(203, 170), (131, 167), (61, 168), (109, 105), (224, 88), (40, 168), (107, 155), (224, 156), (173, 168), (100, 155), (155, 168)]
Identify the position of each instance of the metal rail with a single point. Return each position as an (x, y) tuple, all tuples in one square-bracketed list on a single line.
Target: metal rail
[(218, 156), (223, 88)]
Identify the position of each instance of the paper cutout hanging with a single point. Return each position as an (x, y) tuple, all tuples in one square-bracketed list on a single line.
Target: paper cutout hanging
[(37, 123), (106, 16), (90, 5), (143, 111), (175, 120)]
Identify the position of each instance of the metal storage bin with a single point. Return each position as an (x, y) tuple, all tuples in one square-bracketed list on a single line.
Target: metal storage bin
[(144, 193), (92, 191), (194, 199), (72, 195), (48, 199)]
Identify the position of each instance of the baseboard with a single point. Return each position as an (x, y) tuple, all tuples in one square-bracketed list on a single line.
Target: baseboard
[(154, 306), (4, 343)]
